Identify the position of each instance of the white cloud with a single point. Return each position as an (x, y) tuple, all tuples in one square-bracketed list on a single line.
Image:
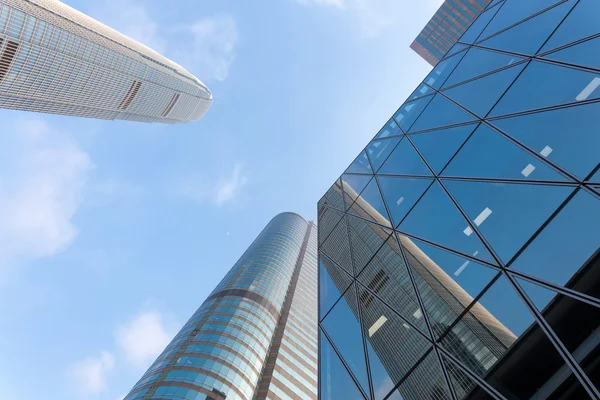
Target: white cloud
[(42, 177), (213, 47), (230, 187), (143, 339), (90, 373), (220, 192)]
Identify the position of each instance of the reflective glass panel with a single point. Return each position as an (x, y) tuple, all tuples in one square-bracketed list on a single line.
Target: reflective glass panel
[(408, 113), (400, 194), (507, 214), (332, 283), (581, 23), (390, 129), (353, 186), (441, 112), (360, 165), (442, 71), (334, 380), (584, 54), (455, 49), (462, 384), (404, 160), (334, 197), (487, 154), (379, 150), (365, 238), (426, 381), (421, 91), (478, 26), (328, 219), (337, 247), (370, 205), (565, 252)]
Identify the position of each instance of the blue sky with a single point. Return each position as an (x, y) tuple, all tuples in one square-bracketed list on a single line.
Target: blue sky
[(113, 233)]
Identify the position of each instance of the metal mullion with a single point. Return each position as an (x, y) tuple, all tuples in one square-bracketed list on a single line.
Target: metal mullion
[(388, 156), (431, 96), (408, 373), (511, 181), (447, 379), (484, 75), (542, 109), (334, 228), (555, 340), (566, 46), (396, 225)]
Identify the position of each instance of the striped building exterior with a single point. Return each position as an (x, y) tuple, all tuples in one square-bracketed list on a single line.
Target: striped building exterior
[(255, 336), (447, 25), (55, 59)]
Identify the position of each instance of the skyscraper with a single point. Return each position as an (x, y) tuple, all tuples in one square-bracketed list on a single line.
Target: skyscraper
[(255, 336), (54, 59), (458, 253), (445, 27)]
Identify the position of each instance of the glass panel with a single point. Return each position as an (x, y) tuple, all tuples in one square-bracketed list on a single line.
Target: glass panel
[(575, 323), (390, 129), (421, 91), (515, 11), (529, 36), (408, 112), (365, 238), (566, 252), (337, 247), (400, 194), (463, 386), (487, 154), (544, 85), (386, 275), (437, 147), (581, 23), (341, 324), (379, 150), (393, 346), (436, 219), (360, 165), (567, 136), (353, 186), (584, 54), (334, 380), (333, 197), (480, 95), (478, 26), (439, 113), (328, 219), (405, 161), (507, 214), (478, 62), (369, 205), (455, 49), (332, 283), (442, 71), (426, 381)]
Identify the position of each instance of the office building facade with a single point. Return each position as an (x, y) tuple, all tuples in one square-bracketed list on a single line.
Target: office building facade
[(445, 27), (55, 59), (255, 336), (459, 252)]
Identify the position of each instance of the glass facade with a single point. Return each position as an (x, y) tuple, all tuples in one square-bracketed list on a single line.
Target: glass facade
[(448, 24), (255, 336), (458, 253), (54, 59)]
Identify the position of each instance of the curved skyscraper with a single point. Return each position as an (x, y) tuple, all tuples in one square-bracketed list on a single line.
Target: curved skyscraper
[(255, 336), (55, 59)]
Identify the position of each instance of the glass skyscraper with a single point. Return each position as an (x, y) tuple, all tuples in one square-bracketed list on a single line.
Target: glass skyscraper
[(459, 252), (255, 336), (445, 27), (55, 59)]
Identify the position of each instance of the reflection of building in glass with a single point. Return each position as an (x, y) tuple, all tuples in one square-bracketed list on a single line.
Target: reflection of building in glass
[(459, 251), (445, 27), (254, 337), (55, 59)]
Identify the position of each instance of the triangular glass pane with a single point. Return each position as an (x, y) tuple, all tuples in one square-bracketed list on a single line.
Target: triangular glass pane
[(507, 214), (401, 194), (370, 205), (387, 276), (441, 112), (337, 246), (581, 23), (394, 347), (334, 379), (437, 147), (409, 112), (404, 160), (515, 11), (420, 91), (435, 218), (478, 62), (342, 326), (565, 253), (332, 283), (584, 54), (463, 386), (553, 85), (529, 36), (360, 165), (365, 238), (441, 72), (353, 186), (334, 197), (487, 154), (455, 49), (478, 26), (379, 150), (596, 177), (390, 129), (426, 381), (544, 132), (480, 95), (328, 219)]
